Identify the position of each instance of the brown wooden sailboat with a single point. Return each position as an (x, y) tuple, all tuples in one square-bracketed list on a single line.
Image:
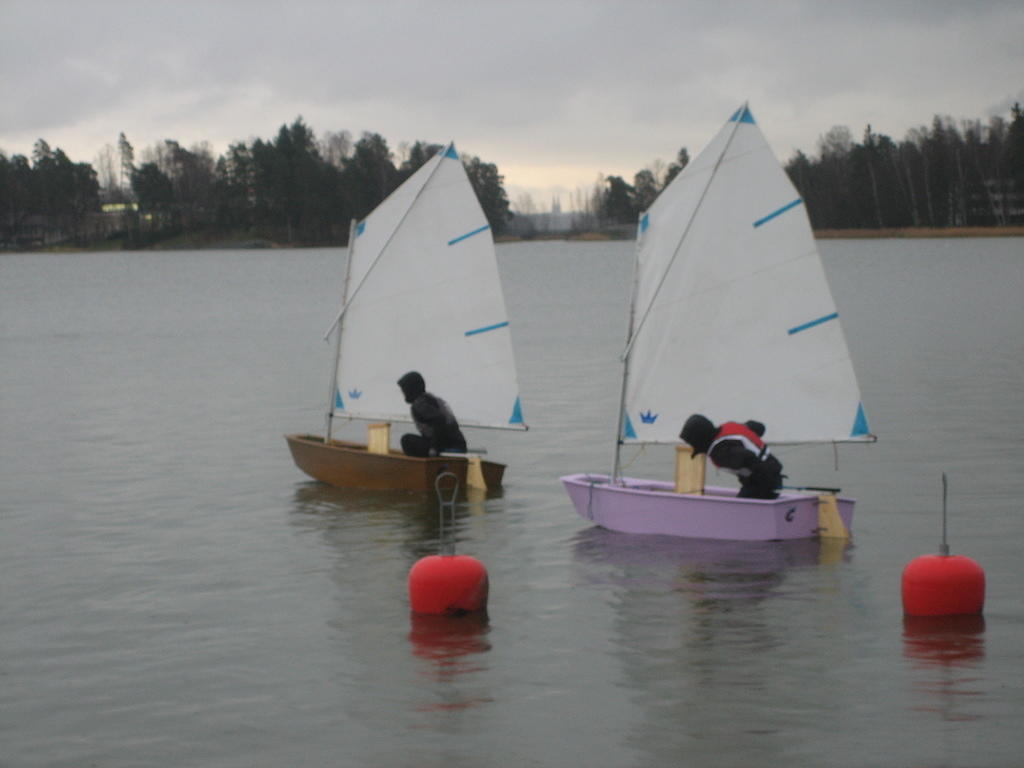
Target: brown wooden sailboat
[(430, 237), (351, 465)]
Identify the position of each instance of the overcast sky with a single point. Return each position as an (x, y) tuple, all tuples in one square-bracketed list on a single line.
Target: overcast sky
[(553, 92)]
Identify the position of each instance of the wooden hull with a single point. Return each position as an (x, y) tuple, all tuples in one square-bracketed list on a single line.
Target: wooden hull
[(350, 465), (650, 506)]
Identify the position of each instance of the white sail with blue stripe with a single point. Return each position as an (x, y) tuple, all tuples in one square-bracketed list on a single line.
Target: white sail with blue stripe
[(732, 316), (423, 293)]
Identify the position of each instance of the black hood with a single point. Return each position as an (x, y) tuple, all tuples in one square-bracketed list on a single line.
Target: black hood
[(412, 385), (698, 431)]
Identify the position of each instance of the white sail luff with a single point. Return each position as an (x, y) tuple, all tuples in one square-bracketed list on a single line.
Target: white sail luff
[(426, 171), (675, 251), (331, 396)]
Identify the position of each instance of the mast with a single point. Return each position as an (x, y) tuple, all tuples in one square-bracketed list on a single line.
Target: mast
[(624, 358), (339, 322)]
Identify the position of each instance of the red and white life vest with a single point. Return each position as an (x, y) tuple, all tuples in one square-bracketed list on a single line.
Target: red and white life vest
[(732, 430)]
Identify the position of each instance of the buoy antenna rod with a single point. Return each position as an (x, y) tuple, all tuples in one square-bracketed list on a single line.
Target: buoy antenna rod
[(446, 485), (944, 549)]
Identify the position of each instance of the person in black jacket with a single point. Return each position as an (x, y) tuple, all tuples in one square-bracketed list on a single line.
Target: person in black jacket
[(739, 449), (439, 431)]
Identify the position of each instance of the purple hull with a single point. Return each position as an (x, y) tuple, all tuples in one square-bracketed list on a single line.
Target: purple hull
[(652, 506)]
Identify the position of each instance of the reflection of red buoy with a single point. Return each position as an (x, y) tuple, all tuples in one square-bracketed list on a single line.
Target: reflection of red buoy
[(446, 639), (945, 641), (448, 585), (943, 585)]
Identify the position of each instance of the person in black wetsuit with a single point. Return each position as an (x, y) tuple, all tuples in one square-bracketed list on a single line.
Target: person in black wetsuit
[(739, 449), (438, 430)]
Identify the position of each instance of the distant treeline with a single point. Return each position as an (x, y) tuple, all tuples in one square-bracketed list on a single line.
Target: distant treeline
[(293, 189), (966, 175), (297, 189)]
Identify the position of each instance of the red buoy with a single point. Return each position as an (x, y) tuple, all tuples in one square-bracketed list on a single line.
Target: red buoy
[(448, 585), (943, 585)]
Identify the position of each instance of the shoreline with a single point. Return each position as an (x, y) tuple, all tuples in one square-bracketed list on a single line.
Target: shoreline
[(182, 242), (819, 234), (919, 232)]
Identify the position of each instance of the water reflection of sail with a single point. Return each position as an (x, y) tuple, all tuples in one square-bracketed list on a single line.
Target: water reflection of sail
[(708, 569), (695, 625)]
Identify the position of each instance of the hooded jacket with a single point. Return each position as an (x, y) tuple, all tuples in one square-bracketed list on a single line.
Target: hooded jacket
[(738, 449), (432, 416)]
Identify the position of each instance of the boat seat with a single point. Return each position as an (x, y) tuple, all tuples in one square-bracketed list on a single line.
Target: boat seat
[(378, 438)]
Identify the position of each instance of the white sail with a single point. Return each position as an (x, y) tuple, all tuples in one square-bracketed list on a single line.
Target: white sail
[(732, 315), (424, 294)]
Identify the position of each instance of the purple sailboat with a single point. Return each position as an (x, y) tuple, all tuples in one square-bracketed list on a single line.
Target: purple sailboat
[(731, 316)]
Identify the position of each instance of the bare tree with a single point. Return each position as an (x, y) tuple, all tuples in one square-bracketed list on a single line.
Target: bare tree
[(525, 205), (658, 169), (336, 147), (127, 162), (836, 143), (107, 172)]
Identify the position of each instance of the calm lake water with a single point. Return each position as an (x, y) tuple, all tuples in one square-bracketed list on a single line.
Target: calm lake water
[(174, 592)]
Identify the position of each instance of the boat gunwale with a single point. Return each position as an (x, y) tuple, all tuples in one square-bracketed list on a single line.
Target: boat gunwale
[(665, 489), (319, 442)]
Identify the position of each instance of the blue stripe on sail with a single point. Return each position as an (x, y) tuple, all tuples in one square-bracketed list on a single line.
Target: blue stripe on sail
[(460, 238), (451, 152), (630, 433), (813, 323), (645, 222), (779, 212), (517, 413), (339, 404), (486, 328), (743, 115), (860, 423), (360, 227)]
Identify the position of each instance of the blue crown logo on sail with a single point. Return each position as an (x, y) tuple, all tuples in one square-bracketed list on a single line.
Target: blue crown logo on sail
[(355, 394), (648, 417)]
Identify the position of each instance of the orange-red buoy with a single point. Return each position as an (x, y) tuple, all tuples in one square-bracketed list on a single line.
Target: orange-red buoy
[(943, 585), (448, 585)]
